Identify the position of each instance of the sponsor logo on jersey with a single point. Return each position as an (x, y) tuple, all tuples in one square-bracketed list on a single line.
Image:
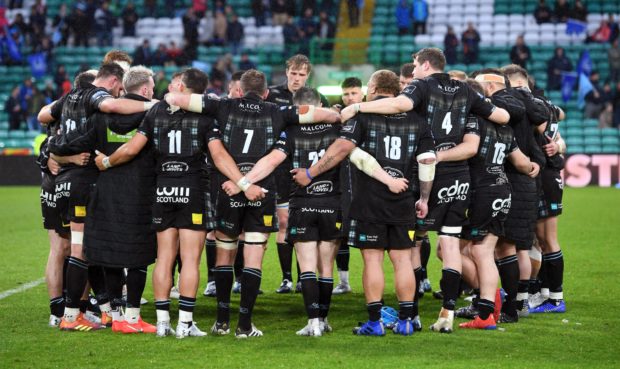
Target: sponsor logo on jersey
[(338, 225), (248, 106), (315, 128), (298, 230), (320, 188), (80, 211), (457, 191), (117, 137), (268, 220), (242, 204), (560, 183), (48, 199), (245, 168), (63, 190), (175, 166), (196, 218), (349, 127), (172, 195), (450, 89), (156, 220), (393, 172), (368, 238), (411, 234), (501, 205)]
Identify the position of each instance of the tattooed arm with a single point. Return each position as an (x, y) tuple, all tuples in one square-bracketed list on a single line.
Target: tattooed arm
[(336, 152)]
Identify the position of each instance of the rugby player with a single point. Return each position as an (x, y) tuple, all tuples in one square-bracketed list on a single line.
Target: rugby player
[(298, 69), (386, 220), (351, 94), (520, 224), (250, 127), (118, 231), (445, 104), (406, 75), (73, 184), (180, 139)]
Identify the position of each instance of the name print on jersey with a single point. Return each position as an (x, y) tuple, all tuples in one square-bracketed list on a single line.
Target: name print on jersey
[(173, 195)]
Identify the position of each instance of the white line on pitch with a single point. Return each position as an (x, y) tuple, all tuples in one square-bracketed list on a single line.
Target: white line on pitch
[(22, 288)]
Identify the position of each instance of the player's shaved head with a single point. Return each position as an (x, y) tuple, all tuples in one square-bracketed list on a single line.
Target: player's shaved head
[(307, 96)]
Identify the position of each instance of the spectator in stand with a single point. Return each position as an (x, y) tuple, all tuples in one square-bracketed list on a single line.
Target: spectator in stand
[(161, 85), (354, 13), (61, 26), (3, 21), (307, 24), (38, 15), (220, 28), (555, 66), (594, 99), (602, 33), (308, 4), (450, 44), (190, 28), (80, 25), (35, 104), (25, 94), (16, 4), (258, 11), (46, 47), (579, 11), (13, 108), (605, 119), (420, 16), (19, 26), (160, 56), (471, 44), (150, 8), (613, 57), (143, 54), (221, 73), (200, 8), (291, 36), (326, 31), (561, 11), (614, 29), (542, 13), (616, 106), (130, 18), (105, 21), (50, 92), (59, 77), (403, 17), (520, 53), (245, 63), (174, 53), (234, 34), (279, 9)]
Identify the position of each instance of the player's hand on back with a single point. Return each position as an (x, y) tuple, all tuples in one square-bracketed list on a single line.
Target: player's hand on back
[(254, 193), (99, 161), (230, 188), (80, 159), (53, 166), (534, 171), (421, 209), (398, 185), (347, 113), (551, 148), (300, 177)]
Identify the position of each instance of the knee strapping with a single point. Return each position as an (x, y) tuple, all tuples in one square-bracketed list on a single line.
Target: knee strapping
[(226, 244), (255, 238)]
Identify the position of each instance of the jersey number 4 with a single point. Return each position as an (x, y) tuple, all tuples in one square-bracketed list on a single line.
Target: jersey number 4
[(447, 122)]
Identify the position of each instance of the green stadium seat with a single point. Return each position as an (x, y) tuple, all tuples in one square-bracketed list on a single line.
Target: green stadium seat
[(611, 149), (575, 149), (610, 140), (591, 140), (592, 131), (17, 134), (574, 141), (592, 149), (574, 132), (571, 123), (613, 132), (4, 126), (4, 134), (590, 123)]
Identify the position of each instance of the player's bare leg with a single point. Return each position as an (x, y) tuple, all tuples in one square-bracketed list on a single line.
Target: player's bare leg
[(192, 243), (59, 250), (167, 249)]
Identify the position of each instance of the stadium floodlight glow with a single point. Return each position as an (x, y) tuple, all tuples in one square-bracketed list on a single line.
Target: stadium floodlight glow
[(335, 90)]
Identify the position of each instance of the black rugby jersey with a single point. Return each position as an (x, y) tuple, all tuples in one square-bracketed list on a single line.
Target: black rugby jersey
[(305, 145), (282, 96), (73, 110), (536, 113), (486, 168), (556, 161), (446, 105), (249, 127), (179, 139), (395, 141)]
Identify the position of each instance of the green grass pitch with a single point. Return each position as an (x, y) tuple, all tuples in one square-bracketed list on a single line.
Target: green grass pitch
[(586, 336)]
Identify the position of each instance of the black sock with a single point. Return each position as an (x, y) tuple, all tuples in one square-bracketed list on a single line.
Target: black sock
[(57, 306), (210, 257), (418, 279), (508, 268), (485, 308), (96, 277), (555, 272), (65, 265), (77, 276), (187, 304), (374, 311), (239, 260), (326, 285), (310, 289), (136, 280), (114, 283), (83, 305), (251, 283), (223, 283), (343, 257), (285, 255), (534, 286), (542, 274), (450, 281), (298, 269), (405, 310), (522, 287), (162, 305), (425, 254)]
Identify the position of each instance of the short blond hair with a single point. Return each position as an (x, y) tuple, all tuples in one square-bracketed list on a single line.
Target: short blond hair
[(136, 77)]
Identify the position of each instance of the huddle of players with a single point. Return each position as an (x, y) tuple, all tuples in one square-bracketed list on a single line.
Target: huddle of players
[(243, 131)]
